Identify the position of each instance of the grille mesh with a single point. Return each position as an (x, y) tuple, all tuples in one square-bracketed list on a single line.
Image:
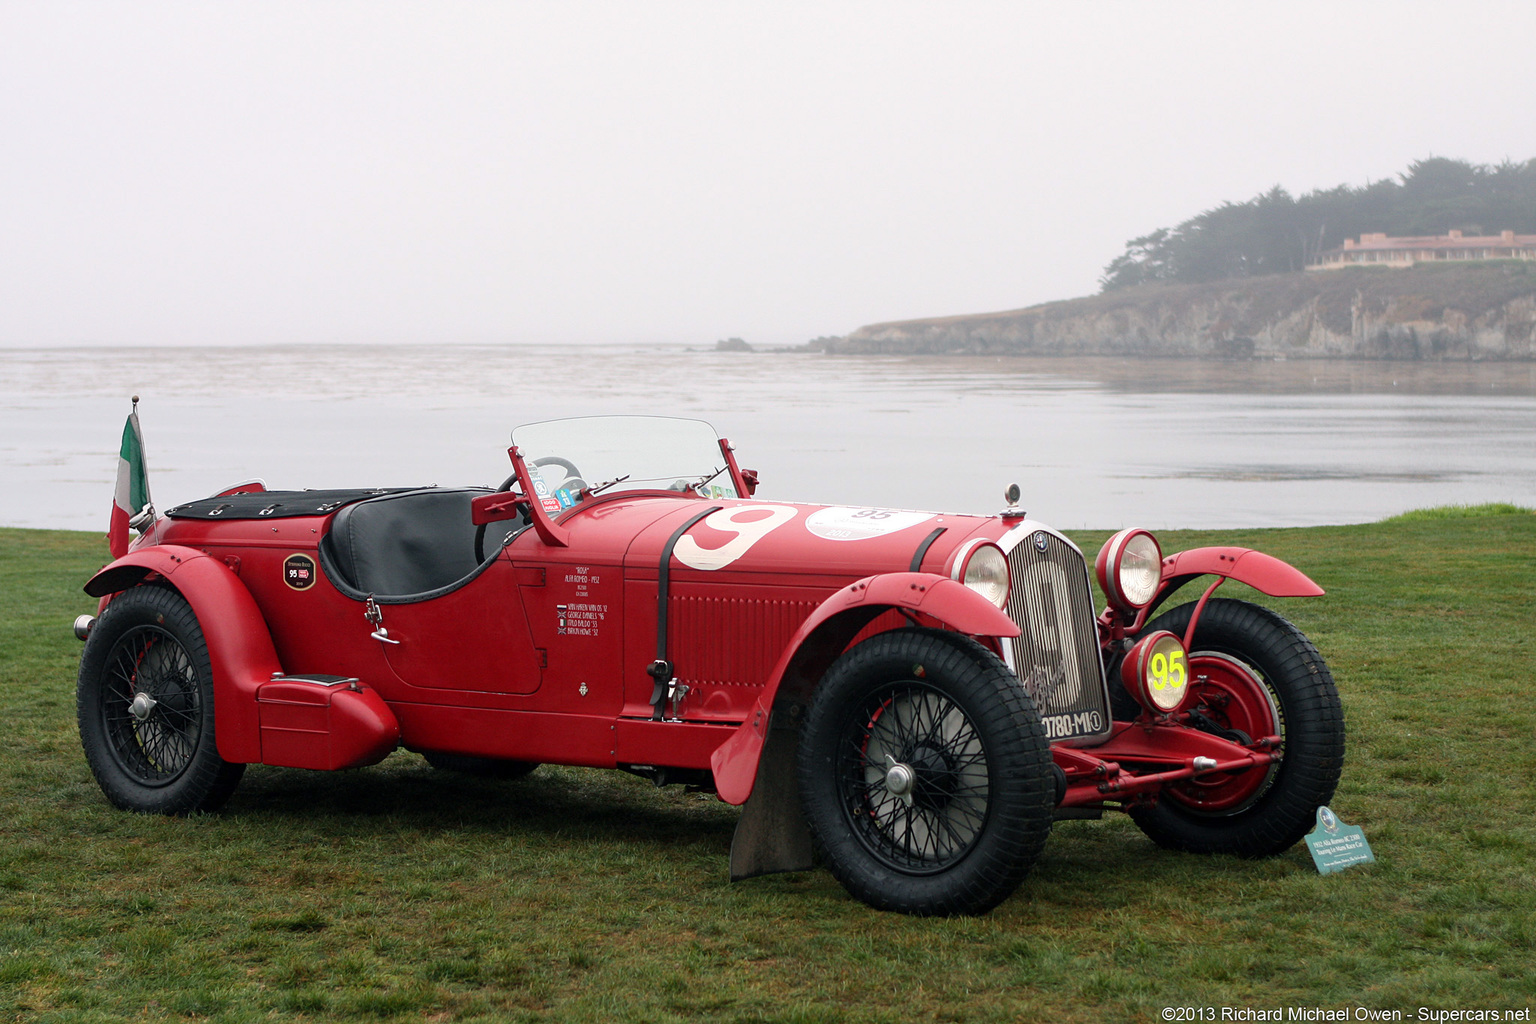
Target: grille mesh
[(1056, 656)]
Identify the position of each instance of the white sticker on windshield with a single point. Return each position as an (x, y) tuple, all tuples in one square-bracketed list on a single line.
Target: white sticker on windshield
[(837, 523), (749, 523)]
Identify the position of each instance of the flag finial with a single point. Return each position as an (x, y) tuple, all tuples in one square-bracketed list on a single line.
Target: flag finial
[(135, 401)]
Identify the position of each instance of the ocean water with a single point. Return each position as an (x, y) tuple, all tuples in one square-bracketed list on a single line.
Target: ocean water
[(1092, 442)]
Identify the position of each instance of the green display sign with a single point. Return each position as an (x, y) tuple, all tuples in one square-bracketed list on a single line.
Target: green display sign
[(1335, 845)]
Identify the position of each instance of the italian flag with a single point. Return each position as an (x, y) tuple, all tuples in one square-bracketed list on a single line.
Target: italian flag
[(132, 484)]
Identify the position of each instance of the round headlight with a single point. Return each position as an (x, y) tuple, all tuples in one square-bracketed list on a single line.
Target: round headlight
[(1130, 567), (1156, 672), (984, 568)]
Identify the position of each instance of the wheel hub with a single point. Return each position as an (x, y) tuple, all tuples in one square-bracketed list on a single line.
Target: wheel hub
[(923, 779), (142, 705), (934, 786), (899, 779)]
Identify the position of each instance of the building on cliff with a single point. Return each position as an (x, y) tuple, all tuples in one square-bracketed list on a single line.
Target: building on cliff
[(1379, 250)]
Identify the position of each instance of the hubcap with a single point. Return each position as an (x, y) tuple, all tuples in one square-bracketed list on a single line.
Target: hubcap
[(899, 780), (142, 705)]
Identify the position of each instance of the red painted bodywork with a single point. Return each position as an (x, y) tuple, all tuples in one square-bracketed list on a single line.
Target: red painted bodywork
[(836, 622), (304, 725), (1139, 758), (489, 670), (1262, 572), (543, 655), (239, 645)]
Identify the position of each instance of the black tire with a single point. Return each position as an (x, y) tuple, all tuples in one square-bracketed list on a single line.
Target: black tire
[(1264, 814), (144, 700), (481, 767), (958, 833)]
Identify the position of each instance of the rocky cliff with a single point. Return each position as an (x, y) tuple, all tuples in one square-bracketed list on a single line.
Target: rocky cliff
[(1462, 312)]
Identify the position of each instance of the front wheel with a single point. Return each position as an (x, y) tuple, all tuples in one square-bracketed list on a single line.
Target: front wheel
[(144, 700), (925, 775), (1253, 675)]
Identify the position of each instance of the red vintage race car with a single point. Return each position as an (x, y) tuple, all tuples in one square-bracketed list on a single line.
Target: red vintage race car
[(914, 696)]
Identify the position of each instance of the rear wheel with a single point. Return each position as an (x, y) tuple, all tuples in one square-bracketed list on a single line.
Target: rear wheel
[(925, 775), (144, 700), (1253, 674)]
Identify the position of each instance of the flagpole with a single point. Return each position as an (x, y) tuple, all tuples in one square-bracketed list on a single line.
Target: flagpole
[(131, 507)]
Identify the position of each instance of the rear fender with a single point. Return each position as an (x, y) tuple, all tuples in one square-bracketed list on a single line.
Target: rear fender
[(1264, 573), (823, 636), (239, 643)]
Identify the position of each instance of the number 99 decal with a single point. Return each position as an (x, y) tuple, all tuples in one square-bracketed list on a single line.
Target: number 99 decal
[(748, 523), (1156, 672)]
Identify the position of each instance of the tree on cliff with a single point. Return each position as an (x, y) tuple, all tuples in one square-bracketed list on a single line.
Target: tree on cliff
[(1273, 233)]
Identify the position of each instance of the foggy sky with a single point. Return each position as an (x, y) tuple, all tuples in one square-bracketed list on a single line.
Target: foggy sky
[(228, 173)]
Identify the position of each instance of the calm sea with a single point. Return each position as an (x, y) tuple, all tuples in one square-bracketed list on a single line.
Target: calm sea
[(1092, 442)]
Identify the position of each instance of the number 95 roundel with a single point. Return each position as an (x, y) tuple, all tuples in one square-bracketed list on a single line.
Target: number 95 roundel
[(747, 523)]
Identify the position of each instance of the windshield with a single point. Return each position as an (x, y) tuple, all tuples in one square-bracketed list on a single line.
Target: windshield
[(625, 453)]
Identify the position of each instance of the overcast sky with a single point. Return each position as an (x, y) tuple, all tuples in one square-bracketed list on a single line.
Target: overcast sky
[(223, 173)]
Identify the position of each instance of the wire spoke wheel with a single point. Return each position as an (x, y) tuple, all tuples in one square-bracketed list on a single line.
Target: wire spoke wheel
[(151, 708), (925, 775), (913, 772), (145, 707)]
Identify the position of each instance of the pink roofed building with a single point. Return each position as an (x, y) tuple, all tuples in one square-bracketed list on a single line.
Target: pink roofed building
[(1380, 250)]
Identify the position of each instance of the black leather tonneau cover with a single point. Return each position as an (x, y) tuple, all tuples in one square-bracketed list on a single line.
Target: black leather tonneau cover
[(277, 504)]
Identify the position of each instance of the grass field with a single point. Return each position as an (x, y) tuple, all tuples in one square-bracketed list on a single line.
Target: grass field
[(400, 893)]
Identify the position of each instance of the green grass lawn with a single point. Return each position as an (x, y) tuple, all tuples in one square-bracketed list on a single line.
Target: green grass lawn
[(401, 893)]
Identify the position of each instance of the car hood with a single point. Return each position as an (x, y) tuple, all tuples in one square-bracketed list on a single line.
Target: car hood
[(753, 536)]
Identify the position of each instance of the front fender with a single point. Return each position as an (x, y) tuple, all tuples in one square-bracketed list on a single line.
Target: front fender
[(1264, 573), (825, 634), (239, 643)]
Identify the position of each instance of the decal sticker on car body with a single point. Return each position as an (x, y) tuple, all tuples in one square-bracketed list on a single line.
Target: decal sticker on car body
[(749, 524), (840, 523), (299, 571)]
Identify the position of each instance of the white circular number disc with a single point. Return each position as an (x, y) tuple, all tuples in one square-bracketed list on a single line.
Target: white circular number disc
[(839, 523)]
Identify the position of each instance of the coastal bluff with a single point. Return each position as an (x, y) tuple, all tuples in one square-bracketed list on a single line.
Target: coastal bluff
[(1466, 312)]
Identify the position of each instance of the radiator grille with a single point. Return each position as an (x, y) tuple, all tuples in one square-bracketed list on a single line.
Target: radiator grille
[(1056, 656)]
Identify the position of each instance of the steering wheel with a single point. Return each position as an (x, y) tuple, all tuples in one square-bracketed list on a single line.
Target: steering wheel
[(571, 474)]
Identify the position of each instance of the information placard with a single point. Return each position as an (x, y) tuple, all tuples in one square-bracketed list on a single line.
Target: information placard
[(1335, 846)]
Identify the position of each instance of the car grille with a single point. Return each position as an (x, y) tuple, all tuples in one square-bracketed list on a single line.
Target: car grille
[(1056, 656)]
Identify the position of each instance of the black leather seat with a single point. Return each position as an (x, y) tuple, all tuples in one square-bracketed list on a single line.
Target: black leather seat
[(405, 545)]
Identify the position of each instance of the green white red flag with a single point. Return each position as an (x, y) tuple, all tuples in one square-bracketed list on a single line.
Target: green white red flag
[(132, 484)]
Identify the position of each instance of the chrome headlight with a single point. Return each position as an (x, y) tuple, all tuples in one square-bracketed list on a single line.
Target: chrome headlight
[(982, 566), (1130, 567)]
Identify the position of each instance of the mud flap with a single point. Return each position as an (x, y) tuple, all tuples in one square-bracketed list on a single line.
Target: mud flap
[(771, 835)]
